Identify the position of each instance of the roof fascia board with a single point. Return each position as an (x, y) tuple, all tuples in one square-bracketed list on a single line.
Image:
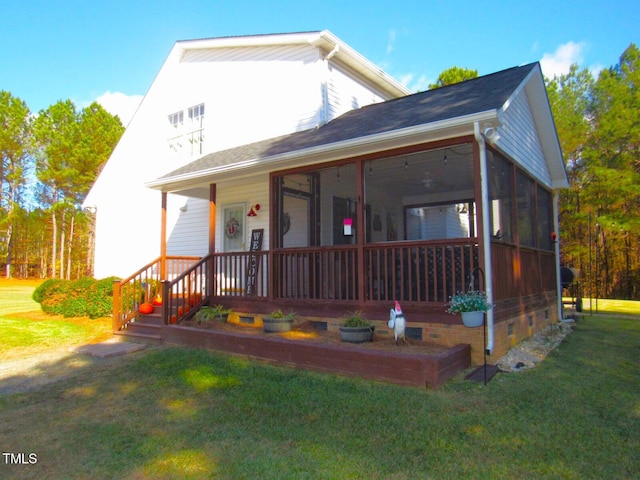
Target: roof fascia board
[(536, 92), (251, 40), (333, 151)]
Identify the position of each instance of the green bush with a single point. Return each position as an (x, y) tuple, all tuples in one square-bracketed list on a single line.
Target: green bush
[(76, 298), (46, 289)]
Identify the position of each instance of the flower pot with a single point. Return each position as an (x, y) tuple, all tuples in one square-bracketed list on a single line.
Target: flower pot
[(273, 325), (356, 334), (472, 319)]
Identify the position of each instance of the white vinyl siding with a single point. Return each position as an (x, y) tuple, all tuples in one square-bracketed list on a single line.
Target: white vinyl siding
[(187, 226), (344, 93), (519, 139)]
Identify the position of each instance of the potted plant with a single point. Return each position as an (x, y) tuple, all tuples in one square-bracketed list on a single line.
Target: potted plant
[(278, 321), (470, 305), (205, 314), (356, 329)]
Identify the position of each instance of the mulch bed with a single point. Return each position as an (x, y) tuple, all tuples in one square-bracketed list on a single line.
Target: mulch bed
[(307, 332)]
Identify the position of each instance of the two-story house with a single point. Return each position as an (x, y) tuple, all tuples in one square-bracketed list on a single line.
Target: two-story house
[(287, 171)]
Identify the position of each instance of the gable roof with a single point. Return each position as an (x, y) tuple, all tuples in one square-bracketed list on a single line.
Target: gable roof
[(331, 47), (480, 99)]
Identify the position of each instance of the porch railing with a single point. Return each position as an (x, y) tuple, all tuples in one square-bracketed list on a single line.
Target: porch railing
[(316, 273), (241, 274), (423, 272), (419, 272), (187, 292), (143, 286)]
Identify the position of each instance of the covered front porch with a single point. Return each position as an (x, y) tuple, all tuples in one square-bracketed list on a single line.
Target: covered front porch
[(409, 200), (414, 225)]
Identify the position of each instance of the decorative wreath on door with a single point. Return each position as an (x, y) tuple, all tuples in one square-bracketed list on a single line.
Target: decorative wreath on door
[(232, 228)]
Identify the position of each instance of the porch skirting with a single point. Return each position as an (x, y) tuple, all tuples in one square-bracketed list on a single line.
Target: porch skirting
[(406, 369)]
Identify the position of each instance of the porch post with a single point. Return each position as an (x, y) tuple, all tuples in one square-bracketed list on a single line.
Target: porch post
[(360, 230), (163, 238), (212, 218), (556, 252)]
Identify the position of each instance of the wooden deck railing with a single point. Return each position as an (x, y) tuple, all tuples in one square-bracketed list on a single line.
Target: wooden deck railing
[(142, 286), (241, 274), (316, 273), (187, 292), (423, 272)]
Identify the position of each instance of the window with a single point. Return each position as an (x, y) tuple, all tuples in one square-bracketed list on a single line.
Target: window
[(196, 116), (545, 218), (313, 205), (501, 222), (526, 218), (187, 138), (426, 195), (176, 119)]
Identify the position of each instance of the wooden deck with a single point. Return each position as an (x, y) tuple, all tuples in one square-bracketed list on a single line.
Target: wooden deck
[(405, 366)]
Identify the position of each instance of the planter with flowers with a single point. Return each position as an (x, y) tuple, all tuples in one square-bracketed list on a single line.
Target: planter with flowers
[(356, 329), (278, 321), (471, 305)]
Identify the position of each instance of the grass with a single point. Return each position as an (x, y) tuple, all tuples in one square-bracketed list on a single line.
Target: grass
[(611, 306), (186, 413), (25, 329)]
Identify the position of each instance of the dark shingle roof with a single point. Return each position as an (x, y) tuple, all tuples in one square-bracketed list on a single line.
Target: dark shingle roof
[(489, 92)]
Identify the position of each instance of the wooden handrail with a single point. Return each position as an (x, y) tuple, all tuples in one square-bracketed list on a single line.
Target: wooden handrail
[(141, 287), (185, 294)]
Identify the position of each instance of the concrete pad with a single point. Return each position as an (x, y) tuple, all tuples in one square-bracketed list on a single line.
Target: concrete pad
[(110, 348)]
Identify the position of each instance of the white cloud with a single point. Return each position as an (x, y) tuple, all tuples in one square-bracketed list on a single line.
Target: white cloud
[(415, 84), (392, 41), (558, 62), (117, 103)]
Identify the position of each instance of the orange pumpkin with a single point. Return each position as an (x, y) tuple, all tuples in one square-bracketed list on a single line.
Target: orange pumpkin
[(146, 308), (157, 300)]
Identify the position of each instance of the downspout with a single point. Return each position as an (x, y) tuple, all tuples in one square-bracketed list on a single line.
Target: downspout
[(486, 238), (325, 84), (556, 248)]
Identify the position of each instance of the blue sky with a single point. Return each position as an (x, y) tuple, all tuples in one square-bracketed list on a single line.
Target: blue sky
[(111, 50)]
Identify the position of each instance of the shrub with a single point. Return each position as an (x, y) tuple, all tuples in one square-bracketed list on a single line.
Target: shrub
[(46, 288), (77, 298)]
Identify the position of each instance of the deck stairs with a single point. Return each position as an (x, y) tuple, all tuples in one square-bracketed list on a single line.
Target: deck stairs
[(147, 328)]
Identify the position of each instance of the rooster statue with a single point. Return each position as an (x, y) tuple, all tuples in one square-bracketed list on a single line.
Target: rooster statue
[(397, 322)]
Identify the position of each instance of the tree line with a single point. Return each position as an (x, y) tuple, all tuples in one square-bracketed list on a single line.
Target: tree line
[(598, 124), (50, 160)]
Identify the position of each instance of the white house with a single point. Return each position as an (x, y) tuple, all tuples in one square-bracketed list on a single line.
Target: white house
[(211, 95), (287, 171)]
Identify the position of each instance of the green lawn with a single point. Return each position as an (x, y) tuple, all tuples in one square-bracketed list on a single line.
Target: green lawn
[(24, 329), (183, 413)]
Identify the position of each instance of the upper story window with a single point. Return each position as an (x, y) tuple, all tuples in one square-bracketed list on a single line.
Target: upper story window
[(187, 138), (196, 116), (177, 119)]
